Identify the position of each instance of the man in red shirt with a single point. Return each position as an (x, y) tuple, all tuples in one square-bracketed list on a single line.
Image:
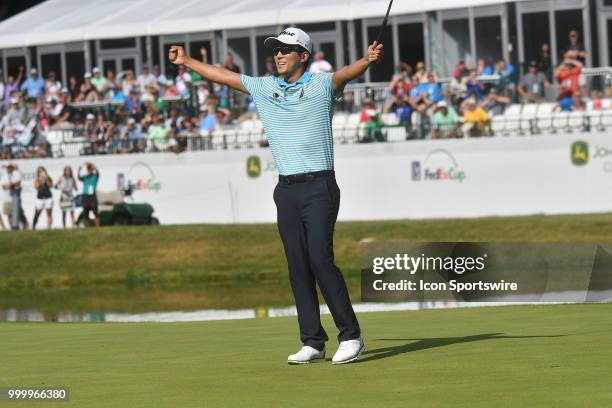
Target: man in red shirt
[(567, 74)]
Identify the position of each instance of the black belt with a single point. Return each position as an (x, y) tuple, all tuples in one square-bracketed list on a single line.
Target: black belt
[(303, 177)]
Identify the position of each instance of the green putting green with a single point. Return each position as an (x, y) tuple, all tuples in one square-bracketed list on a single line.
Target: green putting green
[(519, 356)]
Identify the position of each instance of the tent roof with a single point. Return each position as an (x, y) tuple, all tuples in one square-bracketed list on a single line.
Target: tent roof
[(61, 21)]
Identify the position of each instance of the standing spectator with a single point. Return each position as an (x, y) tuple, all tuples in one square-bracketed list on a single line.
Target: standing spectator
[(475, 118), (568, 74), (52, 87), (320, 64), (34, 86), (229, 63), (90, 186), (270, 67), (68, 186), (44, 198), (533, 85), (421, 73), (11, 183), (545, 62), (98, 81), (146, 80), (11, 86), (575, 48), (183, 81), (445, 121), (73, 88), (160, 78)]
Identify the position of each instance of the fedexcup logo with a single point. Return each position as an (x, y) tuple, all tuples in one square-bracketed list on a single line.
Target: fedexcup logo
[(253, 166), (440, 165), (580, 153)]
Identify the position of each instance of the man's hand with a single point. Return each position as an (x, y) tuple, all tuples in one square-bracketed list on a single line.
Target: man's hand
[(375, 53), (176, 55)]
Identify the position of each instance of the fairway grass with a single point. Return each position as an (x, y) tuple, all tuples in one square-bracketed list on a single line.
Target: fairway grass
[(519, 356)]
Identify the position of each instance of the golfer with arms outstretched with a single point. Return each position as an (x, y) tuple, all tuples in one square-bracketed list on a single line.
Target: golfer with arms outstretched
[(296, 109)]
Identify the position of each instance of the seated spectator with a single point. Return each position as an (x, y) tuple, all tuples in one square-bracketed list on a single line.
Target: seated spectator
[(568, 74), (127, 81), (461, 71), (229, 63), (545, 62), (570, 103), (505, 72), (597, 97), (111, 86), (146, 80), (73, 88), (533, 85), (446, 122), (161, 137), (52, 87), (399, 86), (476, 119), (171, 90), (494, 103), (62, 112), (34, 86), (474, 88), (320, 64), (402, 107), (88, 90), (482, 68), (185, 133), (370, 120), (132, 133), (98, 81)]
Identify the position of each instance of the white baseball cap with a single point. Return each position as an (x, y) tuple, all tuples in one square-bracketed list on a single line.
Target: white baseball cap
[(442, 104), (87, 75), (290, 36), (90, 116), (95, 70)]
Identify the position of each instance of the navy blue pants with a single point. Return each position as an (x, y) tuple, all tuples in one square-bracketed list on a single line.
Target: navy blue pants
[(307, 212)]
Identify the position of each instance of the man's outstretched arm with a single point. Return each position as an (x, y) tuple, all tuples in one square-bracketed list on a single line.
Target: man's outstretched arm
[(355, 70), (222, 76)]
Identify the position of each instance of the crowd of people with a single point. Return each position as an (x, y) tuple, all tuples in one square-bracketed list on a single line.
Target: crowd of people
[(475, 94), (12, 185), (150, 112)]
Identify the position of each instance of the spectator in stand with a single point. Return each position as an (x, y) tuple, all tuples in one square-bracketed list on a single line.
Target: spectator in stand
[(67, 186), (127, 81), (420, 72), (494, 103), (160, 78), (229, 63), (170, 90), (90, 131), (73, 88), (370, 120), (575, 49), (52, 87), (161, 138), (474, 88), (44, 198), (88, 90), (319, 64), (12, 86), (132, 133), (533, 85), (133, 105), (208, 122), (545, 62), (402, 107), (446, 122), (433, 88), (98, 81), (204, 55), (505, 72), (34, 86), (203, 92), (400, 85), (146, 80), (89, 198), (270, 67), (183, 81), (568, 74), (461, 71), (482, 68), (111, 86), (62, 111), (1, 104), (476, 119), (185, 134)]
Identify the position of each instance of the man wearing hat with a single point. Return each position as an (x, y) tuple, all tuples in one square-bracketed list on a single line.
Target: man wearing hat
[(98, 81), (34, 86), (296, 110)]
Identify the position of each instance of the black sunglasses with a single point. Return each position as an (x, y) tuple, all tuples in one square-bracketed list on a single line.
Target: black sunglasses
[(285, 50)]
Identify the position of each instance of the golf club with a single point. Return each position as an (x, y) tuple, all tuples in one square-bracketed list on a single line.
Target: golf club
[(384, 23)]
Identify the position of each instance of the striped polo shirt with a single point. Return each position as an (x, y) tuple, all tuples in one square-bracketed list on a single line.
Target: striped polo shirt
[(297, 119)]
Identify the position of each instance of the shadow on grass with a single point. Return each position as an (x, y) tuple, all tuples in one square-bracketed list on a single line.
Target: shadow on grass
[(424, 344)]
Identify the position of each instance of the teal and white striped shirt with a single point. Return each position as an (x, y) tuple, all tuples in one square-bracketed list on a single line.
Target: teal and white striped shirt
[(297, 119)]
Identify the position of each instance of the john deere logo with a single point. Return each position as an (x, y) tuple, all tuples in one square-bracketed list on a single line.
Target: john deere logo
[(253, 167), (580, 153)]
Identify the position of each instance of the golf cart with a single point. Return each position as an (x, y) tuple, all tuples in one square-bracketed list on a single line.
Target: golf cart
[(114, 210)]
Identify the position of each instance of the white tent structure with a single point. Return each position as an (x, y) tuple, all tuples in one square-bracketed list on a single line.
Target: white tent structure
[(72, 36), (58, 21)]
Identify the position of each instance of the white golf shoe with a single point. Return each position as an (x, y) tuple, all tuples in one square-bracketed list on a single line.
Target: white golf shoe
[(349, 350), (307, 355)]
